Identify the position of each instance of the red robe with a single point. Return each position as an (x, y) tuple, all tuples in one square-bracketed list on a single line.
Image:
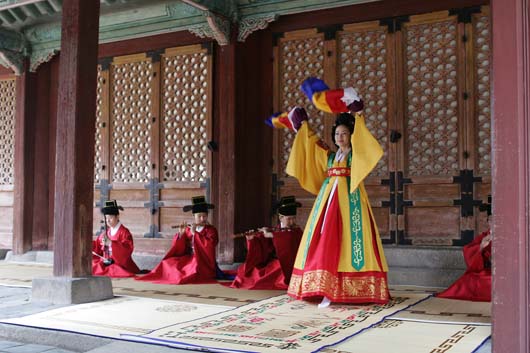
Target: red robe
[(262, 269), (475, 283), (191, 259), (121, 252)]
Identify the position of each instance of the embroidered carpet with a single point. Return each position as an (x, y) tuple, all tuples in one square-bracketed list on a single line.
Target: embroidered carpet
[(443, 310), (277, 324), (398, 336), (120, 315)]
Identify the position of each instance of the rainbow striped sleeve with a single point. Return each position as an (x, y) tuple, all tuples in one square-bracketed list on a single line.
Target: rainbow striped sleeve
[(280, 121), (329, 100)]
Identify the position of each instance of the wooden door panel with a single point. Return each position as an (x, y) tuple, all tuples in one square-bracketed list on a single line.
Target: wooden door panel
[(365, 61), (433, 124), (432, 225), (297, 55), (379, 197), (7, 171), (154, 124), (173, 200)]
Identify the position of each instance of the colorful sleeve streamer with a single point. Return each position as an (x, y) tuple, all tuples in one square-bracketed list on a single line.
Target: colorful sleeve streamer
[(329, 100), (288, 120), (279, 120)]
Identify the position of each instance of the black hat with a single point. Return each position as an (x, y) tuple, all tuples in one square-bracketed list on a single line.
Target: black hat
[(198, 205), (111, 208), (287, 206)]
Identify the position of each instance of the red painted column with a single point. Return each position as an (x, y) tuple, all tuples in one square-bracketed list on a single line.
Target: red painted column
[(511, 175), (224, 174), (24, 162), (76, 120)]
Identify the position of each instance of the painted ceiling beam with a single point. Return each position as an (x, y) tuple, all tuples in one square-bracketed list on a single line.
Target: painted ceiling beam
[(225, 8), (31, 10), (45, 8), (219, 16), (7, 17), (18, 14), (13, 50), (9, 4), (56, 4)]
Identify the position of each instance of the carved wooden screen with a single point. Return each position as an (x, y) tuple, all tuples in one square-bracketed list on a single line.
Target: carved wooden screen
[(185, 130), (425, 83), (446, 109), (364, 61), (480, 126), (154, 123), (7, 135), (298, 55), (433, 129)]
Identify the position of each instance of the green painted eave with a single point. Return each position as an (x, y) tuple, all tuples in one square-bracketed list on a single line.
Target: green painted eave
[(249, 8), (129, 19)]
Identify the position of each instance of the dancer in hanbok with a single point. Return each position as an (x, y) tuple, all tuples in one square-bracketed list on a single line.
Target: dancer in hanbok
[(340, 258)]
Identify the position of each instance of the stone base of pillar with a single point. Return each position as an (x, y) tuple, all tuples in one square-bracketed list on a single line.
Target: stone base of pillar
[(66, 290)]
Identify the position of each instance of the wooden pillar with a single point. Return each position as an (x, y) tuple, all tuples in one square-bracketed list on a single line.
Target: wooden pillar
[(41, 194), (76, 121), (225, 163), (511, 175), (24, 162)]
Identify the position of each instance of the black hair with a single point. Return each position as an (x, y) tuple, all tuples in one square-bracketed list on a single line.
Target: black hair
[(345, 119)]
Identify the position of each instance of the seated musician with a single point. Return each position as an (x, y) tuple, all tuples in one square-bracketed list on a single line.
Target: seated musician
[(113, 248), (191, 258), (271, 252), (475, 283)]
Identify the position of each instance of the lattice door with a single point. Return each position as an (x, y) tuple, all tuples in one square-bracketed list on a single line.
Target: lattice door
[(298, 55), (480, 123), (425, 83), (355, 56), (153, 125), (436, 175), (364, 59), (186, 129), (7, 142)]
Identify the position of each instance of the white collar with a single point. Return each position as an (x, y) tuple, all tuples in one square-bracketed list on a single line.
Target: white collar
[(339, 156), (114, 230)]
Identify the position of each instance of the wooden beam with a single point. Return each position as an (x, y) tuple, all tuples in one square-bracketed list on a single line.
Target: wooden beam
[(511, 175), (24, 162), (367, 12), (41, 193), (225, 161), (76, 123)]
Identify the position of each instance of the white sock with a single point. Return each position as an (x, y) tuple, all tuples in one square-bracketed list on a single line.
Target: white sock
[(324, 303)]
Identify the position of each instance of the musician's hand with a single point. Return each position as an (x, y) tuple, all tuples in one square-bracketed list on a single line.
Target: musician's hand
[(268, 234), (181, 229), (250, 236), (485, 241), (192, 228)]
